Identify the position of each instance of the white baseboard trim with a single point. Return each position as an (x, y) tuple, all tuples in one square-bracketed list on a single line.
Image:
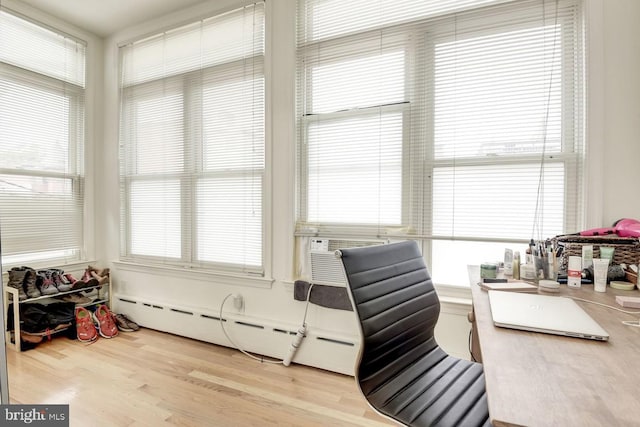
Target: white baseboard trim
[(321, 349)]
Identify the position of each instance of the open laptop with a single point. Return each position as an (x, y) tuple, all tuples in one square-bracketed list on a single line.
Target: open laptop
[(543, 313)]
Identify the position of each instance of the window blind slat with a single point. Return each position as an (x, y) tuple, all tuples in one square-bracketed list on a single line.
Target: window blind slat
[(34, 47)]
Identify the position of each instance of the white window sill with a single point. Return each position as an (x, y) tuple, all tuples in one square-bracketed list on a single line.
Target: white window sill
[(222, 278), (459, 295)]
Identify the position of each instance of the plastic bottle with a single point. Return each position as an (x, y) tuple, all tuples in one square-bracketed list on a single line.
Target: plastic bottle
[(508, 262), (516, 265), (574, 272)]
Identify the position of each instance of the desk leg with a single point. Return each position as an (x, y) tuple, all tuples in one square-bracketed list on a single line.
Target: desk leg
[(474, 344)]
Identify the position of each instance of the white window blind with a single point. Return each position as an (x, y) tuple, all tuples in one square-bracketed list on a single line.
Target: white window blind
[(192, 144), (42, 78), (456, 123)]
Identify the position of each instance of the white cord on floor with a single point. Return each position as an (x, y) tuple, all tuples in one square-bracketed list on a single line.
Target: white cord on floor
[(260, 359)]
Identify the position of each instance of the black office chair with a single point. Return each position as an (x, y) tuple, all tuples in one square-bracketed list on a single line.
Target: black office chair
[(401, 371)]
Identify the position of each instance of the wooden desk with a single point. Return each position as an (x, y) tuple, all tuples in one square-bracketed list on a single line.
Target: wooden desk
[(536, 379)]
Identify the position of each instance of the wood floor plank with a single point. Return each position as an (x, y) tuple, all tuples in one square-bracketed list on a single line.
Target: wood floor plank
[(150, 378)]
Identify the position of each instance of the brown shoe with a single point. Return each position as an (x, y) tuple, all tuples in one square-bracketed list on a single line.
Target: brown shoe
[(16, 280), (75, 298), (101, 279), (89, 280), (75, 283), (99, 271), (124, 323)]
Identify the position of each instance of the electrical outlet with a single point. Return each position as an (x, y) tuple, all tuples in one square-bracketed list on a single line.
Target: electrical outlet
[(238, 302)]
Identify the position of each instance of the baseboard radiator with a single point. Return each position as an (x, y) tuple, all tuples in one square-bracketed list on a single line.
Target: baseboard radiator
[(261, 336)]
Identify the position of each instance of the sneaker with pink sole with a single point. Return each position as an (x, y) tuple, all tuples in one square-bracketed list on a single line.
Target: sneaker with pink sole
[(85, 328), (106, 326)]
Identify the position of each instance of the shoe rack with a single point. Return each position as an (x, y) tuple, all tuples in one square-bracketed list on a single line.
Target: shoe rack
[(101, 294)]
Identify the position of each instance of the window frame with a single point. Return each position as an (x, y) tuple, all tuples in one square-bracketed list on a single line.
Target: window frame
[(190, 85), (419, 158), (76, 136)]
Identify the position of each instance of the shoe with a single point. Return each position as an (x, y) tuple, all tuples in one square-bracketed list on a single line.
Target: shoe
[(89, 280), (101, 279), (85, 328), (104, 319), (75, 298), (99, 271), (103, 272), (75, 283), (124, 323), (30, 338), (16, 280), (46, 285), (31, 283), (63, 285)]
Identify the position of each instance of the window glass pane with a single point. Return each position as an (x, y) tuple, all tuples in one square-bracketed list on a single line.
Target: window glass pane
[(57, 256), (233, 125), (39, 214), (355, 170), (229, 216), (358, 83), (159, 134), (450, 258), (155, 218), (499, 94), (34, 128), (498, 201)]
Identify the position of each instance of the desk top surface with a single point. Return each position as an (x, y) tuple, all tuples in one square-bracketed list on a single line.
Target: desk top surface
[(536, 379)]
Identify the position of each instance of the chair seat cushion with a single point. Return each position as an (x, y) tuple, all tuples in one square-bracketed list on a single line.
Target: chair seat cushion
[(435, 390)]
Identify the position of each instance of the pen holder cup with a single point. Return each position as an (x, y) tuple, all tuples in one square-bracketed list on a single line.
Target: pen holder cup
[(545, 268)]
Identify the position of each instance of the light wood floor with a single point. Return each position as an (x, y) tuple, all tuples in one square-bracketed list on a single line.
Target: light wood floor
[(149, 378)]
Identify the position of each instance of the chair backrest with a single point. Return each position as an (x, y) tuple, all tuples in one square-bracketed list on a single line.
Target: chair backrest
[(398, 308)]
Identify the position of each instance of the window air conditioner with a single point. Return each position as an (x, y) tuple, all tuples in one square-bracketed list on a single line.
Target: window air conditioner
[(326, 268)]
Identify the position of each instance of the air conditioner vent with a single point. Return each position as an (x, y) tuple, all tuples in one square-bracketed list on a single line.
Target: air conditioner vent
[(334, 244), (326, 269)]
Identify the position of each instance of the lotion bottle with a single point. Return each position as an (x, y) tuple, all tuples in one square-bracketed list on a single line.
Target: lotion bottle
[(516, 265), (508, 262)]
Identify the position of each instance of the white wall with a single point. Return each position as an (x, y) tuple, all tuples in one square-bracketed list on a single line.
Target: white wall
[(621, 159)]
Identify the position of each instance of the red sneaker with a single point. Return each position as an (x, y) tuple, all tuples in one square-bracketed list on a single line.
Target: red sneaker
[(104, 318), (84, 325)]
